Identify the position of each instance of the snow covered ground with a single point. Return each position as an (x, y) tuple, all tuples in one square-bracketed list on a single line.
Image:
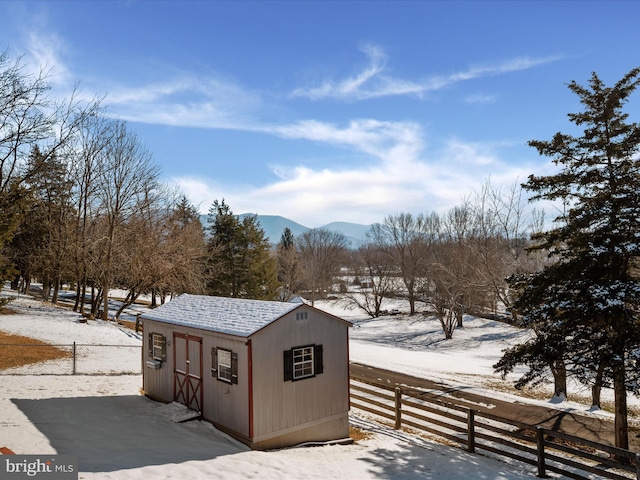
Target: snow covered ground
[(119, 434), (416, 346)]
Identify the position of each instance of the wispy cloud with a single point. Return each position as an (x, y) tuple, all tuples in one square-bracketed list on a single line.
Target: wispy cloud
[(45, 50), (214, 102), (373, 82), (369, 83), (401, 176), (400, 173), (361, 195), (508, 66), (41, 48), (186, 100), (178, 98), (374, 137)]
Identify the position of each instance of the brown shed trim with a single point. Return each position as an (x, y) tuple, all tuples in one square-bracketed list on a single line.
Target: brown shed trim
[(250, 386)]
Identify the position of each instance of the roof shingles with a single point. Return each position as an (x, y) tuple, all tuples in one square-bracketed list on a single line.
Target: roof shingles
[(233, 316)]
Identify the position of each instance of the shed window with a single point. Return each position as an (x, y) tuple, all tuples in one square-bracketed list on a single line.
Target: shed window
[(225, 365), (157, 346), (303, 362)]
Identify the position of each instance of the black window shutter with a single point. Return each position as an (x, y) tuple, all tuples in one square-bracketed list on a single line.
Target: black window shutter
[(318, 366), (164, 347), (214, 360), (234, 368), (150, 345), (288, 365)]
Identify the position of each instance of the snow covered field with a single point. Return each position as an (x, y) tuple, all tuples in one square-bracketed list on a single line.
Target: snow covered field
[(119, 434)]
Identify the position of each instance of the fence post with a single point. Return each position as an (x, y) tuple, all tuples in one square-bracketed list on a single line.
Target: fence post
[(542, 471), (398, 408), (74, 358), (471, 431)]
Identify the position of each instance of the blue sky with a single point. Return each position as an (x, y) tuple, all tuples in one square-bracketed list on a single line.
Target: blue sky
[(335, 110)]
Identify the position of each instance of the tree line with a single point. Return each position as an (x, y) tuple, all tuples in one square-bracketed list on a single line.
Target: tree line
[(82, 204)]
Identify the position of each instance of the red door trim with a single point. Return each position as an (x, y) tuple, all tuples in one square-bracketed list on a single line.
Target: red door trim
[(187, 385), (250, 376)]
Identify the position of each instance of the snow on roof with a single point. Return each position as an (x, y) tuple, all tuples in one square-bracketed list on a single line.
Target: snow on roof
[(234, 316), (298, 299)]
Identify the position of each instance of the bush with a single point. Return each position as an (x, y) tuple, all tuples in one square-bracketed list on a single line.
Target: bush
[(4, 301)]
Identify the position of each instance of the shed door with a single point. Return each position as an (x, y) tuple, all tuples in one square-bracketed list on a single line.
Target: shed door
[(187, 374)]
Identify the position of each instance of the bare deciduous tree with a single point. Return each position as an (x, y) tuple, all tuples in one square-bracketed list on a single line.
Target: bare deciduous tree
[(404, 238), (126, 181), (30, 118), (375, 278), (87, 162), (321, 252), (452, 286), (505, 224)]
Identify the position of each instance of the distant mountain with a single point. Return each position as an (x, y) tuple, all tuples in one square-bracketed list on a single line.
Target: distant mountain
[(274, 225), (355, 231)]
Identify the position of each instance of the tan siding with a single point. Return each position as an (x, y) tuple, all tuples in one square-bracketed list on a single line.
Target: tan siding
[(158, 383), (227, 404), (281, 405)]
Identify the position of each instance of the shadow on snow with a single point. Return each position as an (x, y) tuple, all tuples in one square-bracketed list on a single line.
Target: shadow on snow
[(122, 432)]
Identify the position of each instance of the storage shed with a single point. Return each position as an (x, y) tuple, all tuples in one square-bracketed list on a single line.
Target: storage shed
[(272, 374)]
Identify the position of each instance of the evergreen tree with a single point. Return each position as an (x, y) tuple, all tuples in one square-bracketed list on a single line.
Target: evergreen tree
[(287, 239), (15, 206), (41, 246), (29, 117), (240, 261), (288, 265), (53, 189), (585, 306), (537, 296)]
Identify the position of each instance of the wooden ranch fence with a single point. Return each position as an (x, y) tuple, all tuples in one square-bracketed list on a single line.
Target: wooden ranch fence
[(547, 450)]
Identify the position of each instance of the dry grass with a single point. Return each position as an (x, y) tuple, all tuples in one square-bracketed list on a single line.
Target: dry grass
[(545, 393), (535, 393), (127, 324), (358, 435), (4, 307), (18, 356)]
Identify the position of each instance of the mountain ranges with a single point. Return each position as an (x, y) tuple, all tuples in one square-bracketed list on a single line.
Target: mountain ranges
[(274, 225)]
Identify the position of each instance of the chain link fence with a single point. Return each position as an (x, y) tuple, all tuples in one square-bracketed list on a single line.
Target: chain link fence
[(71, 359)]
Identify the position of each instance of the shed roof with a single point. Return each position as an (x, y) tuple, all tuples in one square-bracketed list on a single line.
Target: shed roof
[(233, 316)]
